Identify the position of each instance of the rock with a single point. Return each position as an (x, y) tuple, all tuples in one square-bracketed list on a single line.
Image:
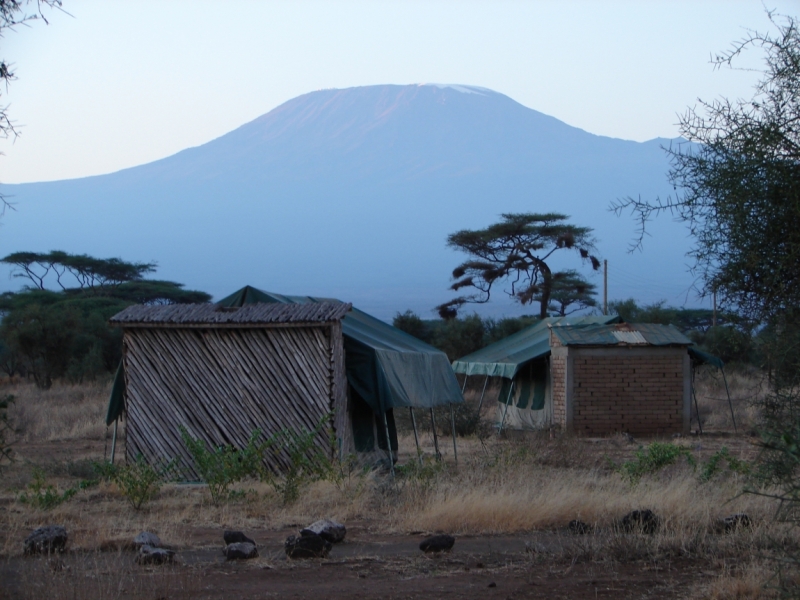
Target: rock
[(327, 529), (644, 521), (147, 539), (579, 527), (45, 540), (236, 537), (154, 556), (308, 545), (492, 584), (437, 543), (733, 523), (240, 551)]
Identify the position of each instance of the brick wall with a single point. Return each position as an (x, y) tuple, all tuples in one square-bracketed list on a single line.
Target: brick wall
[(640, 391), (558, 379)]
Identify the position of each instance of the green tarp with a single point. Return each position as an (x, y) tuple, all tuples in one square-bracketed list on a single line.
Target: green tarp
[(506, 357), (387, 367)]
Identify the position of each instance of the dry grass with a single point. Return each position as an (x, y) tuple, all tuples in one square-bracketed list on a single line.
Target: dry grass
[(499, 487), (65, 412), (747, 389)]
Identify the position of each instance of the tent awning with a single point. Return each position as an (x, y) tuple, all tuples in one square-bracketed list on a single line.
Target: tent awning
[(505, 357), (387, 367)]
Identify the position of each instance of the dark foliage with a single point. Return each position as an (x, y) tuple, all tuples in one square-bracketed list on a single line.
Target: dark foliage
[(515, 252)]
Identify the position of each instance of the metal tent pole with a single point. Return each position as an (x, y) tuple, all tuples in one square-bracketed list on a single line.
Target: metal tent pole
[(416, 435), (114, 440), (483, 391), (435, 437), (728, 392), (505, 412), (696, 406), (388, 443), (464, 386), (453, 426)]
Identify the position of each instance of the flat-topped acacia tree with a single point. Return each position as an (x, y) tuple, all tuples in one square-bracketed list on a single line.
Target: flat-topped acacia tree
[(515, 252)]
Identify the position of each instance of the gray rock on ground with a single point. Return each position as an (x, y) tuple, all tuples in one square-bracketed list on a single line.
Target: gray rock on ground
[(46, 540), (307, 545), (328, 529), (640, 521), (154, 556), (437, 543), (146, 538), (733, 523), (236, 537), (240, 551)]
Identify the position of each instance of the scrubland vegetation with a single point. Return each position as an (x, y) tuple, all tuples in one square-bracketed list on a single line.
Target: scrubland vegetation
[(528, 487)]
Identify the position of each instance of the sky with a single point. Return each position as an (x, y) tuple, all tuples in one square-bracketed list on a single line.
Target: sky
[(109, 85)]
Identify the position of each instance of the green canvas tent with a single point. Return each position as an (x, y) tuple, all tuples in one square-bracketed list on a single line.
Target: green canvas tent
[(521, 361), (386, 369)]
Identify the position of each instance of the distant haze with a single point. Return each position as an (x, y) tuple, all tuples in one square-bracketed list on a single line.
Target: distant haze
[(351, 193)]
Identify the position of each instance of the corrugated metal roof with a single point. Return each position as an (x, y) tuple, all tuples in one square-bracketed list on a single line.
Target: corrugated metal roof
[(249, 314), (621, 334)]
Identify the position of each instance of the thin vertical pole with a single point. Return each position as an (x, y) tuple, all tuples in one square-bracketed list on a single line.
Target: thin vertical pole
[(483, 391), (714, 317), (435, 436), (696, 406), (453, 426), (605, 287), (388, 443), (114, 440), (416, 435), (730, 404), (464, 387), (505, 412)]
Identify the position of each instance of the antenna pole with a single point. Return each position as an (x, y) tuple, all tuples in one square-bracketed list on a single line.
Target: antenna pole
[(605, 287)]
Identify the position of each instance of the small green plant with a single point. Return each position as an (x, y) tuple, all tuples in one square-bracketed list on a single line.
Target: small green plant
[(223, 466), (305, 461), (714, 464), (138, 481), (43, 496), (652, 459)]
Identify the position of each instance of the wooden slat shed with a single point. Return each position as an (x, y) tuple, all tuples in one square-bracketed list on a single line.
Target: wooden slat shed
[(223, 372)]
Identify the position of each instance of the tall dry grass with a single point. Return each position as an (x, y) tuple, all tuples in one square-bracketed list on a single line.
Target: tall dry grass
[(747, 389), (64, 412)]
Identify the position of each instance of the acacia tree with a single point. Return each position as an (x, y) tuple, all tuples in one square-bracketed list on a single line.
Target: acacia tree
[(738, 190), (570, 292), (738, 183), (516, 252)]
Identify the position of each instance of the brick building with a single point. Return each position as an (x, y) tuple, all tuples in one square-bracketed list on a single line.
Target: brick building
[(590, 376)]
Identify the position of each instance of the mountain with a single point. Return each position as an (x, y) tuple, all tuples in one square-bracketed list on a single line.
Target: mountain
[(351, 193)]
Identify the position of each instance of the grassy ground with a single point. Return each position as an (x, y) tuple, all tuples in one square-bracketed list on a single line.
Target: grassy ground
[(527, 488)]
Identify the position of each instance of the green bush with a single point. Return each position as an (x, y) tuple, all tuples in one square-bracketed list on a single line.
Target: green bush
[(306, 461), (43, 496), (651, 460), (713, 465), (223, 466), (138, 481)]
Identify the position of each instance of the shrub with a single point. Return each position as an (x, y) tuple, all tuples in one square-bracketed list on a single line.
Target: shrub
[(138, 481), (5, 429), (223, 466), (306, 461), (713, 465), (44, 496), (651, 460)]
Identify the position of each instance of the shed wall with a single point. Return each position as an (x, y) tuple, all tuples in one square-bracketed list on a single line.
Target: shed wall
[(221, 384)]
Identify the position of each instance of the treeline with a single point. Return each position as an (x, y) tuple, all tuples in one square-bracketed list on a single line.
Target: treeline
[(732, 338), (46, 334)]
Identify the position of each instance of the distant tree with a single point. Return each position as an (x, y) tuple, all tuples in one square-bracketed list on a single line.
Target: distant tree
[(412, 324), (85, 270), (459, 337), (515, 251), (569, 289), (47, 334)]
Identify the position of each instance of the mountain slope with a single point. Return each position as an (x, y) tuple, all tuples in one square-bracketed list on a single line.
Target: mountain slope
[(351, 193)]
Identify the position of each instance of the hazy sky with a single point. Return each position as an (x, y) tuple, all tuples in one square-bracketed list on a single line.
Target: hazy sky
[(120, 83)]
